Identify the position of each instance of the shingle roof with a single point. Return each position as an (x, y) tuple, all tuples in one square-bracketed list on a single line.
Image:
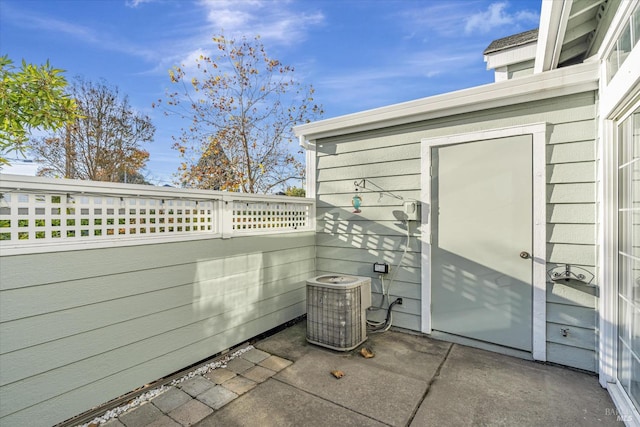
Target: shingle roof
[(512, 41)]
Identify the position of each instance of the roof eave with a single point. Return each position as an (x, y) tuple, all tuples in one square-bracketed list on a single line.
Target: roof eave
[(554, 17), (559, 82)]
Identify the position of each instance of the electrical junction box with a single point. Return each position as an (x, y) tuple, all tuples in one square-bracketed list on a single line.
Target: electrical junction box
[(411, 210), (381, 268)]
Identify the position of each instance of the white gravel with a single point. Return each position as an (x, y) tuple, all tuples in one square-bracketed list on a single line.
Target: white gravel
[(147, 396)]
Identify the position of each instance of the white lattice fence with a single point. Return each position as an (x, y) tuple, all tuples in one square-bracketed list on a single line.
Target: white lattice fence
[(48, 211), (269, 216), (29, 217)]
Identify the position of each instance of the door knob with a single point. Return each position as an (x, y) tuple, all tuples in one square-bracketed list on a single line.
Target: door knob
[(525, 255)]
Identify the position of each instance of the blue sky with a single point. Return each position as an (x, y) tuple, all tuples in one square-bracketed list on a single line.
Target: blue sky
[(358, 54)]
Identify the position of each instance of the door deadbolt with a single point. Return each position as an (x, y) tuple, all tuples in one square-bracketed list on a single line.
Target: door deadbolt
[(525, 255)]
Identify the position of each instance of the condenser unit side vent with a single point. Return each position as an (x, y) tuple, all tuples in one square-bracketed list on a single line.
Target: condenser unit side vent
[(336, 312)]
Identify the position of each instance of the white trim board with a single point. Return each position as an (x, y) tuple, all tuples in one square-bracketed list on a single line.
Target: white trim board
[(625, 411), (539, 134), (563, 81), (511, 56), (608, 254)]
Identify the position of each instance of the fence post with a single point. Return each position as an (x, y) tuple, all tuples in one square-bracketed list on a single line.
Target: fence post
[(226, 216)]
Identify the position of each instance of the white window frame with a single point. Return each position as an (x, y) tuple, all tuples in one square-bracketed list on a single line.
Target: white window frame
[(618, 98), (539, 134), (608, 277)]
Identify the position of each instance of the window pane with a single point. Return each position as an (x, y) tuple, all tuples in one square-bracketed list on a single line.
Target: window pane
[(623, 321), (636, 25), (624, 186), (635, 233), (635, 282), (634, 391), (634, 176), (624, 44), (635, 331), (624, 364), (629, 255), (636, 131), (624, 287), (612, 63)]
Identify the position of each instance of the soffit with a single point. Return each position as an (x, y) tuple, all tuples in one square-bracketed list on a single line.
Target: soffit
[(582, 27)]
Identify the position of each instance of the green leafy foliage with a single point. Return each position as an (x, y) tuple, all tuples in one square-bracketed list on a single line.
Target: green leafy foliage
[(31, 97), (295, 192)]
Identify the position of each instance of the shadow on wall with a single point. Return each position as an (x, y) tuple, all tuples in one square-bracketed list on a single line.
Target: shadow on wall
[(474, 301), (351, 243), (243, 294), (226, 296)]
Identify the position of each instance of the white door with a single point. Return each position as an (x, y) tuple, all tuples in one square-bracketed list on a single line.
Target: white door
[(482, 240)]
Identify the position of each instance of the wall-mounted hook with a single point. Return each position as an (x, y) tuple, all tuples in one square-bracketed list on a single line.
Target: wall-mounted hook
[(363, 184), (567, 274)]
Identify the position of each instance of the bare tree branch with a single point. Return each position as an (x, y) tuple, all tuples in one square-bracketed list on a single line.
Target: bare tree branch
[(241, 107)]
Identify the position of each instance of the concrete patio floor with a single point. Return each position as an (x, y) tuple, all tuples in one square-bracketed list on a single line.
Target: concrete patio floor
[(416, 381), (412, 381)]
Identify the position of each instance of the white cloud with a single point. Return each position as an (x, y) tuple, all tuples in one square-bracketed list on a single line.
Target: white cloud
[(275, 21), (452, 18), (189, 62), (50, 24), (135, 3), (395, 81), (443, 18), (497, 15), (272, 20), (86, 34)]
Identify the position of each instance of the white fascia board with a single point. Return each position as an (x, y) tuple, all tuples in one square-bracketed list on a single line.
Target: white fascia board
[(514, 55), (554, 16), (564, 81)]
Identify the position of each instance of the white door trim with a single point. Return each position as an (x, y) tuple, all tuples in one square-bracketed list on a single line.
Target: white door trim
[(539, 134)]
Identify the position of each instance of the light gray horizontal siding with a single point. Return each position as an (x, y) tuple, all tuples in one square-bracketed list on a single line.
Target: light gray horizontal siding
[(571, 213), (571, 233), (571, 293), (520, 69), (389, 228), (570, 152), (124, 320), (566, 253), (349, 243), (563, 173), (571, 356)]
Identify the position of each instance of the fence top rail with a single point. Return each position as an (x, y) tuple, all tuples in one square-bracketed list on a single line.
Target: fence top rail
[(17, 183)]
